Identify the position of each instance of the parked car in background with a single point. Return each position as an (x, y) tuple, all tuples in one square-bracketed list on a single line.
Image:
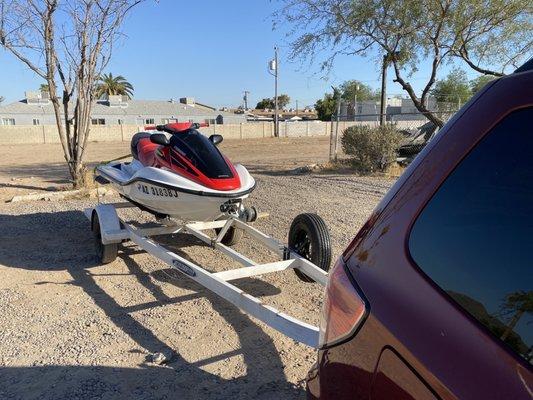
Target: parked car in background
[(414, 141), (433, 299)]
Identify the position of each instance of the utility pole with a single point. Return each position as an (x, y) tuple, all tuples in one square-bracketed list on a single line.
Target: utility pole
[(338, 121), (355, 102), (296, 107), (276, 105), (386, 59), (382, 116), (273, 67), (245, 98)]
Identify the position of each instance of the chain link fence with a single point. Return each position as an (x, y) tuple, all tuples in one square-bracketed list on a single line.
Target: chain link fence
[(417, 130)]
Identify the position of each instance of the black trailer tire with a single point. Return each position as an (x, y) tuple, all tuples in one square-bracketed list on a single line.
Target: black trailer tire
[(232, 236), (106, 253), (309, 237)]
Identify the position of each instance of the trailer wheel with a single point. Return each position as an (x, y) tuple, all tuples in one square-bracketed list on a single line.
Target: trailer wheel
[(309, 237), (232, 236), (106, 253)]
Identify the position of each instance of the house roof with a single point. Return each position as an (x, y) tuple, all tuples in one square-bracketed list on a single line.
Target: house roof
[(134, 107)]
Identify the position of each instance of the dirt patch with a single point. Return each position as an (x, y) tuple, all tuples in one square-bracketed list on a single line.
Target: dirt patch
[(74, 329), (26, 169)]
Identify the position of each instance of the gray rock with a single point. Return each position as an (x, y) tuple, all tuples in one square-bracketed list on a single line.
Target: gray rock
[(305, 169), (162, 357)]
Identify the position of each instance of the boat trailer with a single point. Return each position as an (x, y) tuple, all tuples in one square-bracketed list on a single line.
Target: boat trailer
[(110, 230)]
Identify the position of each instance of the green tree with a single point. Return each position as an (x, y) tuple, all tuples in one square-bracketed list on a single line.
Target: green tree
[(264, 104), (44, 87), (405, 34), (283, 101), (109, 85), (327, 106), (454, 89), (478, 83), (350, 89)]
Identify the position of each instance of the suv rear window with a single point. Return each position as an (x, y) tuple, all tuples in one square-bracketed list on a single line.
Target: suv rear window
[(475, 236)]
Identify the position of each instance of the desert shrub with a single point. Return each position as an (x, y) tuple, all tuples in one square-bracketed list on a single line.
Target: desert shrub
[(371, 149)]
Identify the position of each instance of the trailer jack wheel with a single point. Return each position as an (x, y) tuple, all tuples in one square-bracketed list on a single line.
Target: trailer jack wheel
[(106, 253), (309, 237), (232, 236)]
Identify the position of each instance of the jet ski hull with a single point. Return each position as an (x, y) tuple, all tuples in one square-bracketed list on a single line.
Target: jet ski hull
[(166, 193), (176, 203)]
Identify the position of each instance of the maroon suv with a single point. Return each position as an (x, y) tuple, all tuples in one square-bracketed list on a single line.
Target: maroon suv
[(433, 299)]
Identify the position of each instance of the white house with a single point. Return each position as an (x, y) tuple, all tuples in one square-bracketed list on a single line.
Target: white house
[(36, 109)]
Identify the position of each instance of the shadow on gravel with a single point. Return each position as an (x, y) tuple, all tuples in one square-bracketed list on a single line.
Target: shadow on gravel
[(63, 241), (52, 173), (147, 383), (46, 241), (261, 170), (21, 186)]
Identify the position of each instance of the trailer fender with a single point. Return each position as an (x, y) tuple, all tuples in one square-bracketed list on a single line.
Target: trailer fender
[(109, 223)]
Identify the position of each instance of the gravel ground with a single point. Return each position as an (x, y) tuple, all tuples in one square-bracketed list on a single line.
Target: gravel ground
[(72, 329)]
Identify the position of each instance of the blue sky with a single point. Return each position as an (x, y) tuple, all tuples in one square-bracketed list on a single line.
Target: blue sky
[(210, 50)]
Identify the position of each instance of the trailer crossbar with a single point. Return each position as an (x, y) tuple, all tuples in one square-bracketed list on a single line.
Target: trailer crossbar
[(256, 270)]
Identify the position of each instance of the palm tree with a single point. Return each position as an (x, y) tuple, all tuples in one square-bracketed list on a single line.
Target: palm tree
[(44, 87), (517, 304), (109, 85)]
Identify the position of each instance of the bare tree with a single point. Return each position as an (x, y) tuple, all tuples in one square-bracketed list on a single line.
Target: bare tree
[(408, 32), (67, 43)]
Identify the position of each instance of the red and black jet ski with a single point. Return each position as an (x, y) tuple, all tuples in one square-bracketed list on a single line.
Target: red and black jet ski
[(179, 172)]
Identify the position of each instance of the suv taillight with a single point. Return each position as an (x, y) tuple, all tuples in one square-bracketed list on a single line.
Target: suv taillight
[(343, 309)]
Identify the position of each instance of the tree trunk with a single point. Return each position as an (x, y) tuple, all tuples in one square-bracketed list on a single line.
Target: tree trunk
[(512, 324), (78, 171), (420, 104), (69, 135)]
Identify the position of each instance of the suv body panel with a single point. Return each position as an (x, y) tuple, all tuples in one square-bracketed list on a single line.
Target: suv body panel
[(447, 350)]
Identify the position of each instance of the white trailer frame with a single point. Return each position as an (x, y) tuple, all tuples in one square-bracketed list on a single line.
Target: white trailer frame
[(115, 230)]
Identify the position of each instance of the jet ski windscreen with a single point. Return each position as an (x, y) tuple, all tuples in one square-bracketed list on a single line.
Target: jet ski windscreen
[(203, 154)]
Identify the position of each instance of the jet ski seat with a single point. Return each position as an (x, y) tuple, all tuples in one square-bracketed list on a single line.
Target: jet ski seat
[(143, 149), (135, 141)]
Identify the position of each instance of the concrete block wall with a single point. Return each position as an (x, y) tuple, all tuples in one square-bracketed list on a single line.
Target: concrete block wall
[(29, 134), (21, 134)]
